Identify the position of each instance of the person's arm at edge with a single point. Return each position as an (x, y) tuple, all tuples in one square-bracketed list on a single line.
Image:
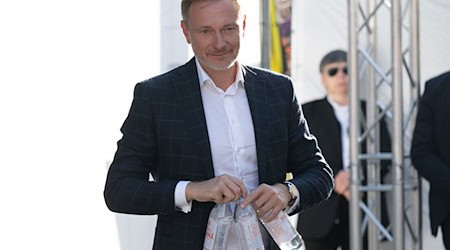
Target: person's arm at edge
[(423, 155)]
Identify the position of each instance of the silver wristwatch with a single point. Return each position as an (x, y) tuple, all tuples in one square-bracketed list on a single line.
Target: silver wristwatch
[(292, 190)]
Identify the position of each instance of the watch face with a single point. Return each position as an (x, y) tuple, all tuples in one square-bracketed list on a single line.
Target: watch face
[(291, 189)]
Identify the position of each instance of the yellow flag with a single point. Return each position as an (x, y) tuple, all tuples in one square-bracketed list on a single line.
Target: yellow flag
[(276, 54)]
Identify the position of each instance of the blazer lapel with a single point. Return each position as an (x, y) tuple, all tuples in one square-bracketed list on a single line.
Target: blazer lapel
[(188, 90), (333, 130), (257, 98)]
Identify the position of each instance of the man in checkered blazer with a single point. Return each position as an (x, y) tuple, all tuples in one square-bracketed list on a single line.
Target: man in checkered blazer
[(213, 131)]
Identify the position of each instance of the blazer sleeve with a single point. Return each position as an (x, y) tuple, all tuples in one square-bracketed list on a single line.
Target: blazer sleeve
[(424, 148), (128, 189), (312, 175)]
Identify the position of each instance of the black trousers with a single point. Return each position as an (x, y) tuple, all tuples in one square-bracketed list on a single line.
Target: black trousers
[(338, 236)]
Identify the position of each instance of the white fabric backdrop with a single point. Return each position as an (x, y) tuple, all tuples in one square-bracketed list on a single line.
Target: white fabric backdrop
[(321, 26)]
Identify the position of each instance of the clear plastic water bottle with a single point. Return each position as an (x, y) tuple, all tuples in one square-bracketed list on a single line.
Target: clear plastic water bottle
[(248, 228), (219, 225), (284, 234)]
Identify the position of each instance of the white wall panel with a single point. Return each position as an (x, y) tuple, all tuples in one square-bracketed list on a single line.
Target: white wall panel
[(67, 71)]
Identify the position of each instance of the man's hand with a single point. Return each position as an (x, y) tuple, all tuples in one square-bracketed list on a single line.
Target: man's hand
[(268, 200), (220, 189), (342, 183)]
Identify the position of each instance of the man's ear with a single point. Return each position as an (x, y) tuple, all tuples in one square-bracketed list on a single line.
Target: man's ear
[(244, 23), (322, 77), (185, 31)]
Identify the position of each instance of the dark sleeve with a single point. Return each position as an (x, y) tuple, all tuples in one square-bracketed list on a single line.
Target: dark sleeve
[(424, 146), (385, 146), (128, 189), (312, 175)]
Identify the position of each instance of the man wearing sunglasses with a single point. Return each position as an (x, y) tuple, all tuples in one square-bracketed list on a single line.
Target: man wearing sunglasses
[(326, 226)]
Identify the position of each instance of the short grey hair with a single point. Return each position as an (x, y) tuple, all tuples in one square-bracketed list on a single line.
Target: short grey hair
[(186, 4)]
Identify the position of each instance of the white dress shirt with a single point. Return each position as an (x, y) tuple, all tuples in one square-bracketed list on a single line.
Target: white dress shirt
[(231, 136), (342, 113), (231, 133), (232, 140)]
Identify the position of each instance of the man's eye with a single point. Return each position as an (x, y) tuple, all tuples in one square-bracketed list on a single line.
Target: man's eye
[(204, 31), (230, 29)]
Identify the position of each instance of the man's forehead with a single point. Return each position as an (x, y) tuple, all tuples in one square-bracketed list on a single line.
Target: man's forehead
[(335, 64)]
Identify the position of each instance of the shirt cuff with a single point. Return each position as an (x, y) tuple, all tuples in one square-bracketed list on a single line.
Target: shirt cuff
[(290, 209), (181, 204)]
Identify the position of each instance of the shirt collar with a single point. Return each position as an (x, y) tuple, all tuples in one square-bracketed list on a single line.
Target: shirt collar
[(203, 77), (341, 112), (337, 106)]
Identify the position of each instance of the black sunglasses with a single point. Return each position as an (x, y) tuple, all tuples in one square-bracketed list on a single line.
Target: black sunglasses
[(333, 71)]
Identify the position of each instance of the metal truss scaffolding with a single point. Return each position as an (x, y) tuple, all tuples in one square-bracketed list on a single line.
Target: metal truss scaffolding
[(384, 70)]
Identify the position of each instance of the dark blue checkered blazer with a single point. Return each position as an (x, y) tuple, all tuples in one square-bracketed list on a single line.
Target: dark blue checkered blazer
[(165, 134)]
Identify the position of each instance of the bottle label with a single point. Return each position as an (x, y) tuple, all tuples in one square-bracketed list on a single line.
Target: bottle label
[(216, 236), (221, 237), (251, 234), (211, 230), (281, 229)]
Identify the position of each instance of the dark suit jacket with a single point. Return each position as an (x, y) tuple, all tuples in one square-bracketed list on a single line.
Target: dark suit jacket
[(430, 150), (165, 134), (316, 222)]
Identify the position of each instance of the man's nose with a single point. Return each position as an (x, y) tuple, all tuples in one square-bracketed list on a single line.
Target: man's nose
[(219, 42), (341, 73)]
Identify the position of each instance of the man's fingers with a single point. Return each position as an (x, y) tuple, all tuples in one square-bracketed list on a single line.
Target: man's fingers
[(237, 187), (226, 188), (265, 209), (243, 189), (253, 196), (347, 195), (342, 182), (228, 196), (220, 189)]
